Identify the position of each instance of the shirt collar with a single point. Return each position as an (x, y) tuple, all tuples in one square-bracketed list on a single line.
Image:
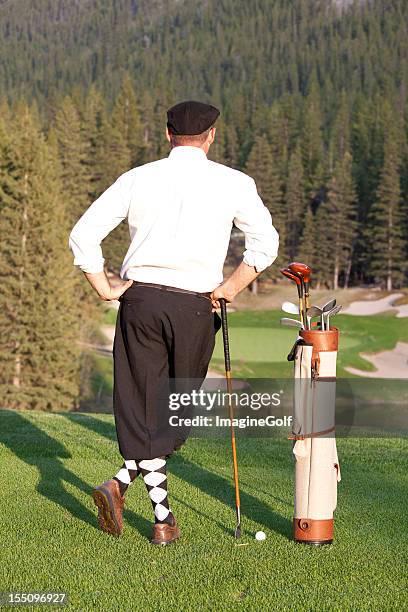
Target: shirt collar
[(186, 152)]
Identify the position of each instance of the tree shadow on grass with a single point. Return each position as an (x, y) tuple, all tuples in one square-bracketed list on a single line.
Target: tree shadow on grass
[(35, 447), (208, 482)]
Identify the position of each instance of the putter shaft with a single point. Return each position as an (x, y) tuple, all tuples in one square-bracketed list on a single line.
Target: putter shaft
[(237, 532)]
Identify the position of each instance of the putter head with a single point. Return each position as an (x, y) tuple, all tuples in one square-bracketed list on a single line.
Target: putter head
[(237, 532)]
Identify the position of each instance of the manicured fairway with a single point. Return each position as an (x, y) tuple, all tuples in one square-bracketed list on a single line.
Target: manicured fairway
[(265, 344), (50, 540), (259, 345)]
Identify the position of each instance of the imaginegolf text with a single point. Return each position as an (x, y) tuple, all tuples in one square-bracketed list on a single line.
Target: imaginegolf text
[(241, 423)]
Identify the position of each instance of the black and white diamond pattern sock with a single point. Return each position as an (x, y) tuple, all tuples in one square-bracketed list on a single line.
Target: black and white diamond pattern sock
[(154, 472), (126, 475)]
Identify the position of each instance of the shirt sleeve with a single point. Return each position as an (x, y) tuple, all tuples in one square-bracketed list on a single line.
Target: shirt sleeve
[(255, 220), (104, 214)]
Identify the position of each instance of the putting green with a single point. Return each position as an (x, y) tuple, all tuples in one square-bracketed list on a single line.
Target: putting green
[(264, 344)]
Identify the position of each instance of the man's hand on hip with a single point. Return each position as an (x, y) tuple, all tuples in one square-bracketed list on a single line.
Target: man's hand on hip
[(100, 282), (242, 276)]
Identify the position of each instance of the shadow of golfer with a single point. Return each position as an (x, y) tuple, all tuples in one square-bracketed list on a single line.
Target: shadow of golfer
[(208, 482), (222, 489), (35, 447)]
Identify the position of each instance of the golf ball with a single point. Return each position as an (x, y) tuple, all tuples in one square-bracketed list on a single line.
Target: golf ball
[(260, 535)]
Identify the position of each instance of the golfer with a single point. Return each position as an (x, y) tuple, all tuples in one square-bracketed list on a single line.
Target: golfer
[(180, 212)]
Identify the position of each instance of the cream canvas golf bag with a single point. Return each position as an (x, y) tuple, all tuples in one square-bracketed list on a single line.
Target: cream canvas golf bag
[(313, 427)]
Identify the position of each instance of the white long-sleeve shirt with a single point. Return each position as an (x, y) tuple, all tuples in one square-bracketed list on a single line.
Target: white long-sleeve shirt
[(180, 212)]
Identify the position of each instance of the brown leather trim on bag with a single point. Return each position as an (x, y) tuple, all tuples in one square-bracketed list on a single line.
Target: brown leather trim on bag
[(322, 341), (315, 434), (311, 531)]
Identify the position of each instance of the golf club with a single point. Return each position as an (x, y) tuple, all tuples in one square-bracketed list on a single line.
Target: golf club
[(331, 313), (306, 273), (311, 313), (295, 278), (325, 308), (292, 323), (290, 308), (223, 304)]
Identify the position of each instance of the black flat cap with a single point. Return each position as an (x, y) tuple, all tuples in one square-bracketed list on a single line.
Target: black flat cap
[(191, 118)]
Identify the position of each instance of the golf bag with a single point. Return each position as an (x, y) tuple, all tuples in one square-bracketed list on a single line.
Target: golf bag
[(317, 466)]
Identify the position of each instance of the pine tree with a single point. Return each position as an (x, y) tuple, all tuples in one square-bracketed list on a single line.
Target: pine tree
[(93, 121), (147, 114), (114, 159), (231, 146), (340, 213), (217, 150), (72, 152), (315, 246), (312, 144), (126, 120), (385, 223), (278, 137), (67, 145), (262, 167), (308, 247), (295, 204), (340, 137), (108, 157), (39, 313)]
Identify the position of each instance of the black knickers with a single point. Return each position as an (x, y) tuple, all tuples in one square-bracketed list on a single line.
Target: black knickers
[(163, 343)]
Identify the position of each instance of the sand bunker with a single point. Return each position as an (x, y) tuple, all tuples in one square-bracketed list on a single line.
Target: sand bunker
[(389, 364), (372, 307)]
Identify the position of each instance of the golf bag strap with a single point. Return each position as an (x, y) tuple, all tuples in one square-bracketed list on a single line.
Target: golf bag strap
[(315, 364), (292, 353), (315, 434), (315, 355)]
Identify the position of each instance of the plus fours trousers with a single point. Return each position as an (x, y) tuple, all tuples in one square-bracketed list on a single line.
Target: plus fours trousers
[(163, 344)]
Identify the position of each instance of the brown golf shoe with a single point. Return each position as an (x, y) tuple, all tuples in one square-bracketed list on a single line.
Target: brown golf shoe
[(110, 504), (164, 534)]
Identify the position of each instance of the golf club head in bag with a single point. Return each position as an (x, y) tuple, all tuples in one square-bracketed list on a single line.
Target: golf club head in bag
[(292, 323), (290, 308), (300, 289), (312, 313), (331, 313), (305, 272)]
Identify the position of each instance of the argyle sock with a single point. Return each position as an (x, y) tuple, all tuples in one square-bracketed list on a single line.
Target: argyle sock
[(154, 474), (126, 475)]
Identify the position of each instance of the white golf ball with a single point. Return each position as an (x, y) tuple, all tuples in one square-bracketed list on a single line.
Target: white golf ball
[(260, 535)]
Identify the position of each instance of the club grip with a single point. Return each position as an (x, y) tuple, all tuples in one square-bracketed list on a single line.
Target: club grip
[(225, 338)]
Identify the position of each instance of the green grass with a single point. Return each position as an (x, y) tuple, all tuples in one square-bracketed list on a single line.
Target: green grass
[(50, 540), (109, 317), (102, 375)]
